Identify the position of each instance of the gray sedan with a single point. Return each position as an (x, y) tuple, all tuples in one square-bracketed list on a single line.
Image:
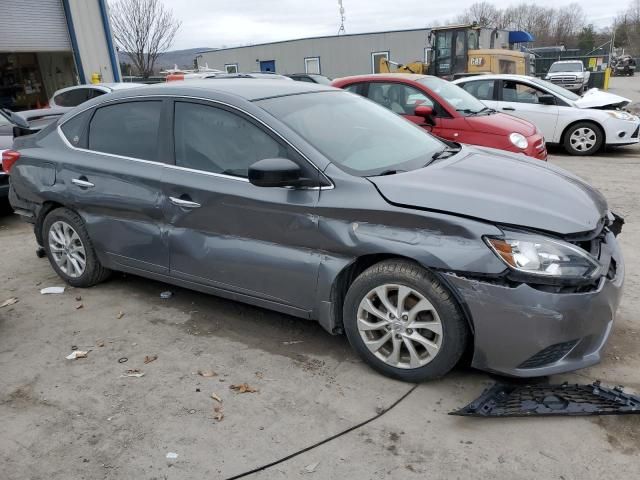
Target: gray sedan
[(318, 203)]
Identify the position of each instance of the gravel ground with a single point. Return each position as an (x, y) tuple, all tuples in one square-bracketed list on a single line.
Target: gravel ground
[(82, 419)]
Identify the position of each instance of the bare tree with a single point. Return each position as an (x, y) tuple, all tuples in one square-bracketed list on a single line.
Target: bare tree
[(484, 14), (144, 29)]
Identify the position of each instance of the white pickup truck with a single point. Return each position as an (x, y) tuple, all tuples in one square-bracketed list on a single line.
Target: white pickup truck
[(569, 74)]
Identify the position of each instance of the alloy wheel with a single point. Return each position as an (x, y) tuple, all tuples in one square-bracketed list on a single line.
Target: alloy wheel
[(399, 326), (67, 249), (583, 139)]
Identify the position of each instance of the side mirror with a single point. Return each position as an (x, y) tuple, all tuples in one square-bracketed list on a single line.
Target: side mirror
[(275, 172), (547, 99), (424, 111)]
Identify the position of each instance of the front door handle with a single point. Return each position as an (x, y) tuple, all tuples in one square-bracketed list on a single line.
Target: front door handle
[(82, 182), (184, 203), (510, 109)]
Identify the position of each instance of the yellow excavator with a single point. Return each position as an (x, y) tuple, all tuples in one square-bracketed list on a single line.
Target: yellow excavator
[(455, 51)]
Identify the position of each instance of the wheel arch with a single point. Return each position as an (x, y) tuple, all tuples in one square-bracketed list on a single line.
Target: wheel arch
[(584, 120), (331, 316), (44, 210)]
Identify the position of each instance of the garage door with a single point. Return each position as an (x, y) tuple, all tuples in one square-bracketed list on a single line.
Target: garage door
[(33, 26)]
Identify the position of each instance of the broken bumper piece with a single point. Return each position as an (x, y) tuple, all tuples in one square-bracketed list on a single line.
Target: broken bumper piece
[(502, 400)]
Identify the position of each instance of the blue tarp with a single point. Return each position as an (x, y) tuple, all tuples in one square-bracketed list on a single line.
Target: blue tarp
[(519, 36)]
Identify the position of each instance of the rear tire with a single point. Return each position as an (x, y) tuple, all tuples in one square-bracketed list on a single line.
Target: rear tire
[(421, 339), (70, 250), (583, 138)]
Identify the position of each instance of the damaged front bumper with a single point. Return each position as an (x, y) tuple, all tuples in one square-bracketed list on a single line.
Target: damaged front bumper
[(525, 331)]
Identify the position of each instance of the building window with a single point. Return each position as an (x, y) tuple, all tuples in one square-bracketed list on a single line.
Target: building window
[(375, 60), (231, 68), (312, 65)]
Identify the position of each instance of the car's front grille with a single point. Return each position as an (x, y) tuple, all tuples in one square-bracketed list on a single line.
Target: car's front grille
[(549, 355), (564, 79)]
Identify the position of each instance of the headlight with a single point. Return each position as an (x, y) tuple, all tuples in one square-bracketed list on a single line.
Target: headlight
[(518, 140), (619, 114), (538, 255)]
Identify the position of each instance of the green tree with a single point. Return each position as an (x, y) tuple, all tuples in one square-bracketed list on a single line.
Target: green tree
[(587, 38)]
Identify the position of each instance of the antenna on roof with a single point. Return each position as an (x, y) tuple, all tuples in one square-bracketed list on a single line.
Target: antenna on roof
[(342, 18)]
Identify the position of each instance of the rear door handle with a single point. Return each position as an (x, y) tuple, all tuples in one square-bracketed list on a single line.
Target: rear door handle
[(82, 183), (184, 203), (510, 109)]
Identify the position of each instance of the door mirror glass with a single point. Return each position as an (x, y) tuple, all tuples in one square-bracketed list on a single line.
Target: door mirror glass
[(547, 99), (275, 172)]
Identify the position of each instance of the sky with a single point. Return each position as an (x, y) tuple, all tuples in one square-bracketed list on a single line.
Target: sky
[(227, 23)]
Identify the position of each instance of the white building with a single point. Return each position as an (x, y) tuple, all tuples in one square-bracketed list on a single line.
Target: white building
[(49, 44)]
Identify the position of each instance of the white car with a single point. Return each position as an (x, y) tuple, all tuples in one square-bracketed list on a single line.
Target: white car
[(582, 124), (68, 98), (569, 74)]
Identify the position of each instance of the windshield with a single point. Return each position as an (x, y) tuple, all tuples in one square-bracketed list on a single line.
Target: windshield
[(563, 92), (356, 134), (460, 99), (566, 67)]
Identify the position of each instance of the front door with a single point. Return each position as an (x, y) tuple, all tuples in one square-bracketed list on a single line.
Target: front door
[(227, 233), (403, 100), (268, 66), (521, 100), (114, 170)]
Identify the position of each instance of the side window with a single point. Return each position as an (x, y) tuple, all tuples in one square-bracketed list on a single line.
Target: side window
[(519, 92), (96, 93), (218, 141), (481, 89), (74, 129), (129, 129), (353, 88), (399, 98), (73, 98), (304, 79)]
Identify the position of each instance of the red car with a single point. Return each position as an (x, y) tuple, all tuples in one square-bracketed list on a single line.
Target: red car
[(447, 111)]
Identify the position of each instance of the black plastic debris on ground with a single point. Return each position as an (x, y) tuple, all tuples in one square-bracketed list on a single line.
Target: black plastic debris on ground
[(501, 400)]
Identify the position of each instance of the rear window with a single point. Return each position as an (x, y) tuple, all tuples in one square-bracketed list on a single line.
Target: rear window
[(73, 98), (74, 129), (129, 129)]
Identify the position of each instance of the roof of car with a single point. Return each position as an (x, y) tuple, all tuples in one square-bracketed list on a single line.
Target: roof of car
[(568, 61), (250, 90), (384, 76), (495, 76)]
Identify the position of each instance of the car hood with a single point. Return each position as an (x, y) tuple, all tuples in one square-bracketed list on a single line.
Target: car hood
[(562, 74), (501, 188), (500, 124), (595, 98)]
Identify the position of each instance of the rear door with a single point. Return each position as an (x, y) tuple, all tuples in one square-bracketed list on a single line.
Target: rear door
[(521, 100), (227, 233), (113, 172)]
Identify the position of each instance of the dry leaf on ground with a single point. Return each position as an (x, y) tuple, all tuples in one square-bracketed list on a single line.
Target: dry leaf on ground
[(133, 372), (120, 315), (150, 358), (100, 343), (77, 354), (8, 302), (216, 397), (243, 388), (218, 413), (207, 373), (79, 306)]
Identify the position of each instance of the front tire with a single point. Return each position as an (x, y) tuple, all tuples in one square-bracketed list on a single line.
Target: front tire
[(583, 138), (70, 250), (403, 322)]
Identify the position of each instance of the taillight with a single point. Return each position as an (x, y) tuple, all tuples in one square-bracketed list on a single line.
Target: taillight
[(174, 77), (9, 157)]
